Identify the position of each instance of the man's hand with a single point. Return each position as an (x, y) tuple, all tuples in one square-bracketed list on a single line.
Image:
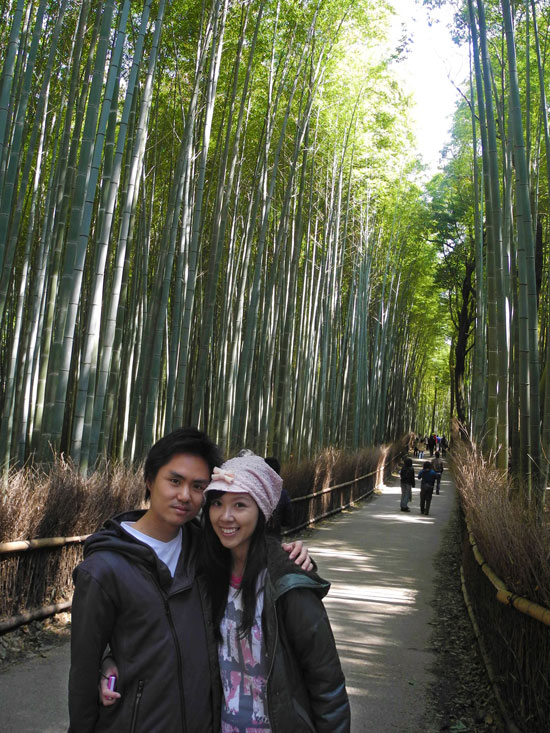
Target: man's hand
[(298, 552), (106, 696)]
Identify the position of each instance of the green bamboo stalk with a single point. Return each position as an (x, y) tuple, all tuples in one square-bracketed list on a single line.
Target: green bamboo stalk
[(76, 248), (6, 81), (526, 262)]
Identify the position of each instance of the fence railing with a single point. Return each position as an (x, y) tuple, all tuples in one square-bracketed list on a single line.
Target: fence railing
[(514, 641), (29, 563), (40, 543), (345, 501)]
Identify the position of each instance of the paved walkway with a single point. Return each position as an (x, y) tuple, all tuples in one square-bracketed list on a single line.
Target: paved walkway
[(380, 563)]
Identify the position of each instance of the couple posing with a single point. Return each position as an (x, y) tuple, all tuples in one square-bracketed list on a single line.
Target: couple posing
[(212, 626)]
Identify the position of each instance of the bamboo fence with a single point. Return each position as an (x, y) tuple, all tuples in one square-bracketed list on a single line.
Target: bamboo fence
[(57, 556), (514, 642)]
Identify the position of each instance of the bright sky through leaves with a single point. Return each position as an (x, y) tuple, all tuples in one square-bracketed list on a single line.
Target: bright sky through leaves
[(432, 64)]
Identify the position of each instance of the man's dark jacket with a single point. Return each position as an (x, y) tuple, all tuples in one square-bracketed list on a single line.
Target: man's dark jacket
[(407, 475), (159, 631)]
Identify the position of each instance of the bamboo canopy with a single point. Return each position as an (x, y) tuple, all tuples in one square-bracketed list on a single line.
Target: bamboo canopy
[(201, 222)]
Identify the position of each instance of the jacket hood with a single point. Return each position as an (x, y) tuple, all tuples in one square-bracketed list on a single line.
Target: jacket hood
[(286, 575), (112, 537)]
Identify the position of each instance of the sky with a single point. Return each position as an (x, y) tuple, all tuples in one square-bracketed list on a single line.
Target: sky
[(433, 61)]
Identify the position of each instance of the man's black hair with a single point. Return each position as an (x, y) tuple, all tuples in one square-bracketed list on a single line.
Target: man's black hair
[(182, 440)]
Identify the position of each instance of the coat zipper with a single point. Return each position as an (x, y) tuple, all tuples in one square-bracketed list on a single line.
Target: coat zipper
[(136, 706), (178, 653), (272, 661), (180, 668)]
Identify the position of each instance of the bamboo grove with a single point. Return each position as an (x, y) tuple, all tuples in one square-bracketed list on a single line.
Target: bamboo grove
[(207, 216), (492, 213)]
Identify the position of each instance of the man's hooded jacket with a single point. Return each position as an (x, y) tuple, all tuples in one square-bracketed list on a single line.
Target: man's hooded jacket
[(158, 629)]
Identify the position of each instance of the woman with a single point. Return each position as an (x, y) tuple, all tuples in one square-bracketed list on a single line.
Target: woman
[(407, 483), (279, 665)]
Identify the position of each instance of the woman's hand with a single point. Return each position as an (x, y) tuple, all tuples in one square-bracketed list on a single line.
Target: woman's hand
[(106, 696), (298, 552)]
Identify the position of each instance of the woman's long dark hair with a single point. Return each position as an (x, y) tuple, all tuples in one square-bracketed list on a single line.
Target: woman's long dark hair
[(216, 569)]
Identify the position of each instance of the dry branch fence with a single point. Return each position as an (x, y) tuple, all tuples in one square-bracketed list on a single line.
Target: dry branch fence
[(506, 586), (515, 642), (36, 575)]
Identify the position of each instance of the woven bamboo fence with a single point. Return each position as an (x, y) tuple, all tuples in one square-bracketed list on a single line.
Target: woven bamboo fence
[(36, 575), (514, 640)]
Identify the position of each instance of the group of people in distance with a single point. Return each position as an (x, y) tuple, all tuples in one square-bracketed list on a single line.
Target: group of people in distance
[(430, 443), (430, 478), (200, 625)]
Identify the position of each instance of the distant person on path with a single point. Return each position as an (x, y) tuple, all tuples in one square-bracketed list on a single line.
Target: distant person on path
[(444, 445), (278, 659), (421, 448), (437, 465), (407, 483), (427, 478), (432, 441), (138, 593), (282, 516), (415, 447)]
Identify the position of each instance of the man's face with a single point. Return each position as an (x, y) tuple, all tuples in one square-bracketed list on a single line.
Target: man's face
[(176, 494)]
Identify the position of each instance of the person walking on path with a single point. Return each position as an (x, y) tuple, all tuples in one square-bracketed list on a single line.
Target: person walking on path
[(407, 484), (437, 465), (427, 478), (283, 514), (432, 441), (278, 660), (444, 445)]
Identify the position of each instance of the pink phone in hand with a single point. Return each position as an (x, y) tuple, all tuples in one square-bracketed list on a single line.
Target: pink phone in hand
[(111, 682)]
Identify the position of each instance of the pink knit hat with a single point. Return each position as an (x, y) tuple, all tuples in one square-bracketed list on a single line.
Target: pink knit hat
[(249, 474)]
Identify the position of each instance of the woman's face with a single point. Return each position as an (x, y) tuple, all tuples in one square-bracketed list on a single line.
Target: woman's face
[(234, 518)]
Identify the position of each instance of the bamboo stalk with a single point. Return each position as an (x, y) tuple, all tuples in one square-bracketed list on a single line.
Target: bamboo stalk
[(39, 544), (523, 605), (25, 618)]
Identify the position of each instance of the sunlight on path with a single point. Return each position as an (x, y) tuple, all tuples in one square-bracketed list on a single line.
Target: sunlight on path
[(379, 561)]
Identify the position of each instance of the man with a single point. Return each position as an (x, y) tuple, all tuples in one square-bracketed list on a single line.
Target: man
[(137, 593), (427, 479), (437, 465)]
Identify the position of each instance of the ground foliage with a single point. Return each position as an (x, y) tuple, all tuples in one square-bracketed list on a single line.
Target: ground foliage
[(512, 539), (462, 698)]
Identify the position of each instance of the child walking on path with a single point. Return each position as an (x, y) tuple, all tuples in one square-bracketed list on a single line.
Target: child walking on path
[(278, 660), (407, 483), (427, 480)]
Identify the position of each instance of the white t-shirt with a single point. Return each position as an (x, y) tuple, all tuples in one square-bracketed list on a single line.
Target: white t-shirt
[(168, 552)]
